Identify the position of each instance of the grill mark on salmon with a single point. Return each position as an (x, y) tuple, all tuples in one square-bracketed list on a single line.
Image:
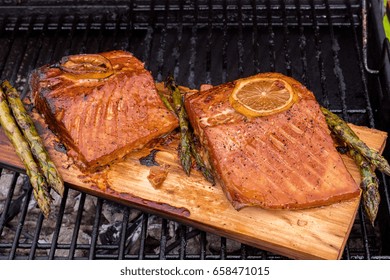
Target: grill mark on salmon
[(101, 116), (280, 166), (285, 160), (310, 157), (279, 157)]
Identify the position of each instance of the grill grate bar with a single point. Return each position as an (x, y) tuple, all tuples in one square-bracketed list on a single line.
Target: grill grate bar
[(76, 229), (193, 49), (130, 24), (223, 248), (19, 227), (208, 44), (243, 252), (150, 32), (240, 44), (176, 52), (144, 226), (8, 201), (359, 56), (302, 45), (364, 233), (319, 57), (56, 233), (35, 240), (337, 68), (286, 44), (224, 43), (255, 41), (183, 243), (163, 239), (271, 39), (95, 229), (162, 48), (122, 242), (202, 245)]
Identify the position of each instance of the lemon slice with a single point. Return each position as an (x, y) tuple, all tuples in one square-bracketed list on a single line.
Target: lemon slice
[(262, 96), (86, 66)]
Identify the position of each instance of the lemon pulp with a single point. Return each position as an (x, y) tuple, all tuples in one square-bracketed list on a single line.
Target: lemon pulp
[(262, 96)]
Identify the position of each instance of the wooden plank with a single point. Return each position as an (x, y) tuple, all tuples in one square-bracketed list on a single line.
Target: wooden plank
[(318, 233)]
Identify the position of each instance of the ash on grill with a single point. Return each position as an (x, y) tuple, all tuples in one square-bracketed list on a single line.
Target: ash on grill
[(21, 196), (112, 220)]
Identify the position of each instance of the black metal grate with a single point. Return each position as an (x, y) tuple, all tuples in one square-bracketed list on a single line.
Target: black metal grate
[(318, 42)]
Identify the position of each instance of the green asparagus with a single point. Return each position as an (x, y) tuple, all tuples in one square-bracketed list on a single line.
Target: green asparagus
[(346, 134), (37, 180), (201, 165), (369, 186), (187, 138), (30, 133), (184, 147), (166, 101)]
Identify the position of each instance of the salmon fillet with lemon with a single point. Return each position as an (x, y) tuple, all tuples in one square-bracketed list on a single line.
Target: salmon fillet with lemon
[(268, 143), (102, 106)]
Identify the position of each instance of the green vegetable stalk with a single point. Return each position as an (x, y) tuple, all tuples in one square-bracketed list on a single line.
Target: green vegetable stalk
[(37, 180), (30, 133), (369, 186), (365, 158), (187, 148), (341, 129)]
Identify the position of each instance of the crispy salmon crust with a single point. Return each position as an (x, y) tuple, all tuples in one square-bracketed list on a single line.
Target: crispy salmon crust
[(101, 109), (282, 161)]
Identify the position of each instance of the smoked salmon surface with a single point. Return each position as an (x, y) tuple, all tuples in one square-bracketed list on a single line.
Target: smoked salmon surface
[(101, 106), (283, 161)]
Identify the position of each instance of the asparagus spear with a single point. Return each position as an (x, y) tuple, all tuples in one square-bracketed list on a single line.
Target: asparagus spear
[(346, 134), (179, 110), (184, 147), (201, 165), (30, 133), (22, 149), (369, 185), (166, 101)]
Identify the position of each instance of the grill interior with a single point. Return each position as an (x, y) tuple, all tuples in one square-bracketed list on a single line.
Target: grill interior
[(318, 42)]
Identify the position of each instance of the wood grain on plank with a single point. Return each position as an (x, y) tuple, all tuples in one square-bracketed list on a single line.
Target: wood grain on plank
[(317, 233)]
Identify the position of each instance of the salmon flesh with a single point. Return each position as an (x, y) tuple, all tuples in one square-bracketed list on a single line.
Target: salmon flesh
[(283, 161), (101, 106)]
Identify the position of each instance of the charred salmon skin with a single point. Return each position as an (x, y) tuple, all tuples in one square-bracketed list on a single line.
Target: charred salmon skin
[(285, 160), (101, 106)]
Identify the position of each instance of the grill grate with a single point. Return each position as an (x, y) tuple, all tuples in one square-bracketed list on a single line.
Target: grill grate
[(316, 42)]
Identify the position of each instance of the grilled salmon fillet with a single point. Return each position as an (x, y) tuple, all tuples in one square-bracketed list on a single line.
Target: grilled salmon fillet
[(102, 106), (283, 161)]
